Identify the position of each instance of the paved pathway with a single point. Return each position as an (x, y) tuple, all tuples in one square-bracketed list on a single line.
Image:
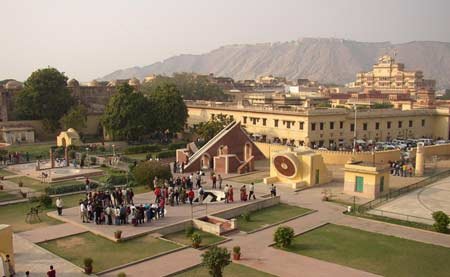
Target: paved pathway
[(51, 232), (30, 257)]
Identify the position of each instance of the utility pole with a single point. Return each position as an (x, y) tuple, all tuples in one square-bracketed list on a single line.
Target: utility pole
[(354, 130)]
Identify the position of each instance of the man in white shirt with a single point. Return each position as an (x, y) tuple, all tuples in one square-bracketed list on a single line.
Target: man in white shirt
[(59, 205), (225, 190), (251, 191)]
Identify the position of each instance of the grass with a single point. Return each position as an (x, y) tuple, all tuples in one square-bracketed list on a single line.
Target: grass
[(235, 270), (38, 186), (33, 149), (15, 214), (207, 238), (395, 221), (139, 157), (4, 172), (106, 253), (372, 252), (270, 215), (5, 196)]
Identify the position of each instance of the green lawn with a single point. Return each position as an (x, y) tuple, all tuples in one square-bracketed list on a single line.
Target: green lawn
[(32, 149), (372, 252), (106, 253), (207, 238), (268, 216), (15, 214), (139, 157), (235, 270), (4, 172), (5, 196), (38, 186)]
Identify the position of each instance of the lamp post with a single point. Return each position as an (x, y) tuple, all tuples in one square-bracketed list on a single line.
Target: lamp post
[(354, 130), (87, 156), (113, 149)]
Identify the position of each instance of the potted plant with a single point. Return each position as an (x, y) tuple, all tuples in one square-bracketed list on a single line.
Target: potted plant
[(196, 240), (118, 234), (88, 265), (1, 187), (236, 253), (20, 183)]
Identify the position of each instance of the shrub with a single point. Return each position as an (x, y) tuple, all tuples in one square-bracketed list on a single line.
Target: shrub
[(283, 236), (188, 231), (142, 149), (45, 200), (93, 159), (145, 172), (441, 221), (177, 145), (215, 259), (196, 239), (52, 190), (88, 262), (166, 154), (246, 217), (122, 274), (72, 154), (116, 179)]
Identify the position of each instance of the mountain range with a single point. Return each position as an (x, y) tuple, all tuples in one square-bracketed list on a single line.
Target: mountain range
[(327, 60)]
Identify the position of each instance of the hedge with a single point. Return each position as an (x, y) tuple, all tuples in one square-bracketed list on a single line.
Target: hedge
[(177, 145), (68, 188), (142, 149), (166, 154)]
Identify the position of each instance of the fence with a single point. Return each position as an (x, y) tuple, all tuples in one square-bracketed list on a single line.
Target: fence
[(405, 217), (396, 193)]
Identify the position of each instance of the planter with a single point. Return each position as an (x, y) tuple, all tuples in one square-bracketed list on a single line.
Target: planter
[(1, 187), (236, 256), (117, 234), (88, 269), (195, 244)]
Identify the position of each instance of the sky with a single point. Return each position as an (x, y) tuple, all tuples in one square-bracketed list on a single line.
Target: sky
[(88, 39)]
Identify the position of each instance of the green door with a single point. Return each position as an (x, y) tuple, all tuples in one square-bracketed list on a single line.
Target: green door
[(359, 184), (317, 176)]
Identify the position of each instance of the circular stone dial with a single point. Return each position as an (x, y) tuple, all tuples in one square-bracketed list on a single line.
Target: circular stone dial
[(284, 166)]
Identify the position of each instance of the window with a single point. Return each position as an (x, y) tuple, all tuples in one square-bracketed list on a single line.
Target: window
[(321, 125), (341, 124), (377, 125), (382, 184), (213, 116), (352, 127), (301, 125), (313, 126), (264, 121), (359, 184), (232, 118), (331, 125), (245, 120), (410, 123), (365, 126), (389, 125), (288, 124), (400, 124), (423, 122), (275, 122)]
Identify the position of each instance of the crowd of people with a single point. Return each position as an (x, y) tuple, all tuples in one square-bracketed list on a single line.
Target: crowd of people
[(401, 168)]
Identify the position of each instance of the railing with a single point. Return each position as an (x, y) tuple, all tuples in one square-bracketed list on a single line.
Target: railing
[(400, 216), (396, 193)]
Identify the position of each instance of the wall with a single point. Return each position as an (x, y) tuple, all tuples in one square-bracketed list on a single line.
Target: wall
[(436, 150), (253, 206), (6, 242), (372, 179)]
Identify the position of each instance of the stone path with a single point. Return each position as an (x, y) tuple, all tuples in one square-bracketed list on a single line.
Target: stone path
[(51, 232), (29, 256)]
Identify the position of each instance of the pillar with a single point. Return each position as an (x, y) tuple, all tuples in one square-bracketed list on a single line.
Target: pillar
[(420, 159), (66, 155), (52, 160)]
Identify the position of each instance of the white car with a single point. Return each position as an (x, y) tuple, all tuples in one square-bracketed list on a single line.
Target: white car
[(440, 142)]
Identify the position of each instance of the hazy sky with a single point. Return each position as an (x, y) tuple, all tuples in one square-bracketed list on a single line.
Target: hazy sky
[(90, 38)]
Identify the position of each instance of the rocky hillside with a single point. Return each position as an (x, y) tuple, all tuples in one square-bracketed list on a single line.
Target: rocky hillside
[(322, 59)]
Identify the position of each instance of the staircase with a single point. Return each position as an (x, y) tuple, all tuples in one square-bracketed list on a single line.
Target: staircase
[(205, 147)]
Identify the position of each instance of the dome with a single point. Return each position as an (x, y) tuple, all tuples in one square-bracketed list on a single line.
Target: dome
[(73, 83), (134, 82), (93, 83), (13, 84)]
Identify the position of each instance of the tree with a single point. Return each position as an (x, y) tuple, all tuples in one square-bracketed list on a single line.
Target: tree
[(441, 221), (215, 259), (145, 172), (190, 85), (382, 106), (44, 97), (169, 109), (128, 114), (283, 236), (75, 118), (207, 130)]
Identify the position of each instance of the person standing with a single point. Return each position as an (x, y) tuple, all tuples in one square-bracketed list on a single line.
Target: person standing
[(59, 205), (9, 266), (190, 196), (51, 272), (226, 191), (230, 194), (273, 191), (251, 191), (200, 195), (214, 180), (219, 178)]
